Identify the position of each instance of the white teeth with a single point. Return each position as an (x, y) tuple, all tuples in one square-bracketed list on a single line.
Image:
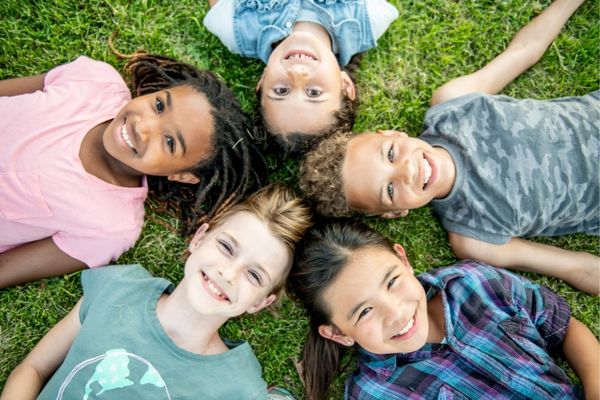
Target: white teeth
[(300, 56), (126, 137), (214, 289), (407, 326), (426, 171)]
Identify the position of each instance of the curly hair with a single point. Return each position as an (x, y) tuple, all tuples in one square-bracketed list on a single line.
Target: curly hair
[(287, 216), (320, 176), (235, 167), (301, 142)]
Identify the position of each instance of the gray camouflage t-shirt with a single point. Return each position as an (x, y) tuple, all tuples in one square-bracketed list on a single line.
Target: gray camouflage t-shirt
[(523, 167)]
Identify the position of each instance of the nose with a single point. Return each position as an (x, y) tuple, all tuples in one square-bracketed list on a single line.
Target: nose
[(393, 313), (406, 171), (229, 272), (146, 127), (298, 72)]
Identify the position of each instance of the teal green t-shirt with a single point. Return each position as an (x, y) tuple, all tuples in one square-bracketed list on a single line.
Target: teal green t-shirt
[(122, 351)]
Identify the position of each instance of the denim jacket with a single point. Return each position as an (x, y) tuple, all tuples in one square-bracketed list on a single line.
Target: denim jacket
[(258, 24)]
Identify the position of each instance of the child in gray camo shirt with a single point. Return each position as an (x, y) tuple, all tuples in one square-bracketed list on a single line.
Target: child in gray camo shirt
[(495, 169)]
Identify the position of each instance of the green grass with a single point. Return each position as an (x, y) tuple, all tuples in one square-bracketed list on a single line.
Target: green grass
[(432, 42)]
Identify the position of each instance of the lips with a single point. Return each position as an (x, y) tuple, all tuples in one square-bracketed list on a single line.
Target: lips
[(214, 289), (124, 134), (300, 55), (429, 172), (406, 331)]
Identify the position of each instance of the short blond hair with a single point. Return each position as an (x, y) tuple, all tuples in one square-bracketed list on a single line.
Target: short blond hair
[(288, 217), (321, 176)]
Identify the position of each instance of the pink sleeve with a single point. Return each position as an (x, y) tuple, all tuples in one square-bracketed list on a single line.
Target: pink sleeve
[(99, 250), (83, 69)]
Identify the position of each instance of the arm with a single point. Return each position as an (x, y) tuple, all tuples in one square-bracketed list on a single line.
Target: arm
[(29, 377), (35, 260), (525, 49), (212, 3), (579, 269), (581, 350), (17, 86)]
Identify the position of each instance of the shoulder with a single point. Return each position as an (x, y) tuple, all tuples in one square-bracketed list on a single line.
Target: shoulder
[(84, 69), (114, 274)]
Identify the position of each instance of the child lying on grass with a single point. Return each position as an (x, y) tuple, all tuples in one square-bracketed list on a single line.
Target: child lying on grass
[(495, 169)]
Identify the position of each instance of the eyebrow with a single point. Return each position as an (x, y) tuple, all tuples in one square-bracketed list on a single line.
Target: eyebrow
[(307, 100), (383, 189), (362, 303), (179, 135)]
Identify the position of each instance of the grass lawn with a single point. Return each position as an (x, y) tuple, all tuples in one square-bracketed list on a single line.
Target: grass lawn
[(431, 42)]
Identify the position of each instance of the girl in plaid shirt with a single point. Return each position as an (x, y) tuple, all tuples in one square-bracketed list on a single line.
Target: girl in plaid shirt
[(468, 331)]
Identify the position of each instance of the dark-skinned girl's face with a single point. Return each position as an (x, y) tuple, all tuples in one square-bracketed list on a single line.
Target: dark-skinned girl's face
[(163, 133)]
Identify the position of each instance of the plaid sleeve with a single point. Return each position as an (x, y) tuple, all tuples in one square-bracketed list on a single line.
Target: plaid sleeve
[(548, 311)]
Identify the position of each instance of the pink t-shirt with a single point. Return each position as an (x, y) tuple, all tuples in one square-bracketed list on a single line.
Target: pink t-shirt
[(44, 189)]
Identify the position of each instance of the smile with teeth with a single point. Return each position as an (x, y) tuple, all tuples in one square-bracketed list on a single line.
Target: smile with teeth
[(300, 55), (126, 138), (426, 172), (406, 327), (211, 286)]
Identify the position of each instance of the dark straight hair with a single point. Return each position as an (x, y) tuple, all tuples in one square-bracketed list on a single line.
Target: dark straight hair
[(320, 257)]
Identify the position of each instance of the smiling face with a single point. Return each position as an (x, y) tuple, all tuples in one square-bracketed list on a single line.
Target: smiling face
[(234, 267), (302, 86), (385, 173), (161, 133), (377, 302)]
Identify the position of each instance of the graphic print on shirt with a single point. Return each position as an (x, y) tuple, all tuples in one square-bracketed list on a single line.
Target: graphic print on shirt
[(114, 374)]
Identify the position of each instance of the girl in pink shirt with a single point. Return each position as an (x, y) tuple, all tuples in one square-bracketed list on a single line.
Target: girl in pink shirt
[(78, 156)]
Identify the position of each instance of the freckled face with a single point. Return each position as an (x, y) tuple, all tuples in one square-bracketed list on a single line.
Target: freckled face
[(161, 133), (378, 302), (235, 266), (391, 171)]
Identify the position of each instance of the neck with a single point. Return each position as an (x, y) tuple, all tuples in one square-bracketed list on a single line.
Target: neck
[(98, 162), (315, 29), (435, 316), (189, 329)]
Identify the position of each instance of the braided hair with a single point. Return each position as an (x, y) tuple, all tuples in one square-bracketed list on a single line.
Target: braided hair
[(235, 167)]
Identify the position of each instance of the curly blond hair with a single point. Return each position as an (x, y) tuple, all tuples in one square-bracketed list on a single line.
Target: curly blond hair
[(320, 176)]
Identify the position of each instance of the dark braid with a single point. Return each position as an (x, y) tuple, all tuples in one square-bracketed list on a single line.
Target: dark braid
[(235, 168)]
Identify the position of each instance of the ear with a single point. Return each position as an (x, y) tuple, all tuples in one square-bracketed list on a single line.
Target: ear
[(395, 214), (260, 81), (348, 86), (184, 177), (402, 256), (328, 332), (198, 236), (267, 301)]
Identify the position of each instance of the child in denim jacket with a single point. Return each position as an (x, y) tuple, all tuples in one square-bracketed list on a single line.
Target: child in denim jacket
[(303, 93)]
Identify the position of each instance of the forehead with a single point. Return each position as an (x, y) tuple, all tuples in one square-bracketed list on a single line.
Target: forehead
[(363, 172), (295, 115), (256, 242), (359, 279), (192, 114)]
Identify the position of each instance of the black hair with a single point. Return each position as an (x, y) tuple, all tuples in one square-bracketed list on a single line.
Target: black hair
[(319, 258), (235, 167)]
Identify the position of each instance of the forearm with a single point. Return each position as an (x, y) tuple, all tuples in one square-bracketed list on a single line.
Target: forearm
[(538, 34), (33, 261), (582, 351), (18, 86), (23, 383), (580, 269)]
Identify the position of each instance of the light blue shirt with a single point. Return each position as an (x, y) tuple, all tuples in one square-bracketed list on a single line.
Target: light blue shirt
[(251, 27)]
